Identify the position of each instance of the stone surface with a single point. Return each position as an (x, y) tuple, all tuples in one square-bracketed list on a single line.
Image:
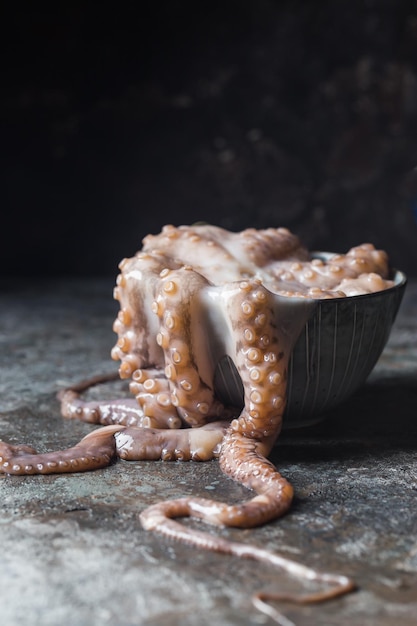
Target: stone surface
[(74, 553)]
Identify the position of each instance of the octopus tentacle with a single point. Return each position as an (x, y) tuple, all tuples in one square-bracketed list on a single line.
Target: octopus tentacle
[(178, 306), (136, 324), (124, 411), (94, 451), (261, 361), (244, 461), (152, 391), (150, 410), (160, 518), (196, 444), (261, 358)]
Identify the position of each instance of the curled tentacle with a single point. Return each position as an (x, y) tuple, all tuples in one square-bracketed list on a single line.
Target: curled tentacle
[(94, 451), (152, 391), (149, 410), (160, 518), (179, 307), (125, 412), (273, 493), (242, 458)]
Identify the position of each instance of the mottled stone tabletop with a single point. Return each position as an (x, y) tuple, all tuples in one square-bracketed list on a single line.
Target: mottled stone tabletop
[(74, 553)]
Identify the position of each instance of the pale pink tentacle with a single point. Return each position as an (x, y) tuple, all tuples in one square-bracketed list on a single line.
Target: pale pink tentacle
[(159, 518), (146, 411), (261, 358), (186, 444), (179, 308), (94, 451)]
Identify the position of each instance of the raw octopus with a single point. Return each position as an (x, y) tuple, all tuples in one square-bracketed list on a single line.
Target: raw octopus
[(192, 296)]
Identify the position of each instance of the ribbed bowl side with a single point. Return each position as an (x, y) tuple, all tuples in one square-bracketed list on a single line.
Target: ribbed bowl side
[(337, 350)]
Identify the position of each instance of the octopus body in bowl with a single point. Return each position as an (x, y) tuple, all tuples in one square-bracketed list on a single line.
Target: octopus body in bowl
[(223, 336), (337, 348)]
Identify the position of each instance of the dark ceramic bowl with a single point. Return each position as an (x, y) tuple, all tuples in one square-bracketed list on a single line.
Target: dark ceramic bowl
[(334, 354)]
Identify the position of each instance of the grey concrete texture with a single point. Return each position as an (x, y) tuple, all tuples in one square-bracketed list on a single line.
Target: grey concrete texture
[(74, 553)]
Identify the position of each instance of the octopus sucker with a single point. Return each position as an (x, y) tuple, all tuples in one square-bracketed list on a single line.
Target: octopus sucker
[(191, 297)]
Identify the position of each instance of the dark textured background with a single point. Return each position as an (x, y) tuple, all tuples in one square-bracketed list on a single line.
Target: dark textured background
[(114, 122)]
